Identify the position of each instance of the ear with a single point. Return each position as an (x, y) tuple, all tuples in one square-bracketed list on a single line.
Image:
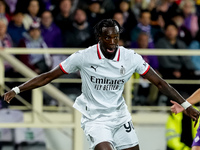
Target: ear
[(99, 38)]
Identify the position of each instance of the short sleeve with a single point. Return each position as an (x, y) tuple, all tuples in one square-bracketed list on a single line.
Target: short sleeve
[(142, 66), (72, 63)]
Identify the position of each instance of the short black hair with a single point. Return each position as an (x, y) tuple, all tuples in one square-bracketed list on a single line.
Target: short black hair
[(178, 14), (171, 23), (144, 11), (18, 12), (106, 23)]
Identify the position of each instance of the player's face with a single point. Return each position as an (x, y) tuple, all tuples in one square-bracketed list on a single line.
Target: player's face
[(109, 40)]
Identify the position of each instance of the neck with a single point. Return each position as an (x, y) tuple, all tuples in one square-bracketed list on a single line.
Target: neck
[(33, 15), (18, 24), (47, 26), (80, 26), (106, 55), (172, 41), (66, 14), (2, 36)]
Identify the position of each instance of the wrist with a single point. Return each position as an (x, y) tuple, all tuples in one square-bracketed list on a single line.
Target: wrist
[(185, 104), (16, 90)]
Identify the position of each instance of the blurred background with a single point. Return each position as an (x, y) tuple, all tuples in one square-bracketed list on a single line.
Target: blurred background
[(36, 35)]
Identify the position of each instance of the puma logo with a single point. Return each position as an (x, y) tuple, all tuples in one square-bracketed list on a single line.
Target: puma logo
[(95, 68)]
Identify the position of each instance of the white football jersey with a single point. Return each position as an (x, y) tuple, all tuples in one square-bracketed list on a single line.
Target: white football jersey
[(103, 79)]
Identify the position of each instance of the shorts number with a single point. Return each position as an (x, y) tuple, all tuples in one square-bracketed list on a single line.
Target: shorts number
[(128, 126)]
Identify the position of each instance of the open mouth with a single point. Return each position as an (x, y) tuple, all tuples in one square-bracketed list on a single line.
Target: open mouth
[(110, 50)]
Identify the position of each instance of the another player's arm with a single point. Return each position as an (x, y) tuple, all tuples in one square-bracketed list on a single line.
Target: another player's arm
[(169, 91), (36, 82), (195, 97)]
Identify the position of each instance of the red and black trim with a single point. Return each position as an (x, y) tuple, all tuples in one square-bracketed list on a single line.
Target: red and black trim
[(61, 67), (146, 71), (118, 55), (99, 54)]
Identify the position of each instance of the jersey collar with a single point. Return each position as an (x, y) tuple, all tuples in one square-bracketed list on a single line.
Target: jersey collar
[(101, 56)]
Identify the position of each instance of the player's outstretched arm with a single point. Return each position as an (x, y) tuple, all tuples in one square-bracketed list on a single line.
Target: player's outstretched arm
[(33, 83), (169, 91), (193, 99)]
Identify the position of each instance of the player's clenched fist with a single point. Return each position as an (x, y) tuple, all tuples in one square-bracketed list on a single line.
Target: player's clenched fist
[(9, 96), (193, 113), (190, 111)]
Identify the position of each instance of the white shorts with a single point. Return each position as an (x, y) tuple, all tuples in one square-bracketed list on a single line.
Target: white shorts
[(119, 132)]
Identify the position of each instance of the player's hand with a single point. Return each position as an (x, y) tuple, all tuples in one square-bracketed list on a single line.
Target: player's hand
[(176, 108), (193, 113), (8, 96)]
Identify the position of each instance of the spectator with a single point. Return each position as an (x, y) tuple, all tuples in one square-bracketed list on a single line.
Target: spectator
[(174, 67), (198, 10), (50, 32), (153, 4), (80, 32), (38, 62), (63, 19), (195, 45), (5, 42), (180, 132), (142, 42), (94, 12), (108, 7), (22, 6), (125, 35), (4, 10), (144, 26), (104, 7), (32, 15), (183, 33), (48, 5), (158, 26), (137, 6), (191, 19), (16, 28), (52, 36), (129, 18), (166, 8), (12, 5), (145, 93)]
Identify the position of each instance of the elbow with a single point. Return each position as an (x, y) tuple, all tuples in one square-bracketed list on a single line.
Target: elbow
[(43, 79), (162, 85)]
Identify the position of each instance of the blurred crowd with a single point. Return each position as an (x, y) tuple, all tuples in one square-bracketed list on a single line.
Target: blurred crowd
[(163, 24)]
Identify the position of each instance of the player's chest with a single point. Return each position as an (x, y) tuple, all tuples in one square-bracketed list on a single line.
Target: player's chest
[(108, 68)]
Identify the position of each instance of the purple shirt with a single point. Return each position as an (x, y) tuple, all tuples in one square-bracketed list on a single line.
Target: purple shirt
[(52, 36)]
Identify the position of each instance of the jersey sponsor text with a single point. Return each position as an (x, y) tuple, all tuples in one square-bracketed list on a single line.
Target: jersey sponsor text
[(106, 84)]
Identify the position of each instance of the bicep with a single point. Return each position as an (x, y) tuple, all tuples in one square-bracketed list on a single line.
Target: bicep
[(153, 77), (55, 73)]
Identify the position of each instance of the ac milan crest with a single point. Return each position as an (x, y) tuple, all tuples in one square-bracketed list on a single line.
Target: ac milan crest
[(122, 70)]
